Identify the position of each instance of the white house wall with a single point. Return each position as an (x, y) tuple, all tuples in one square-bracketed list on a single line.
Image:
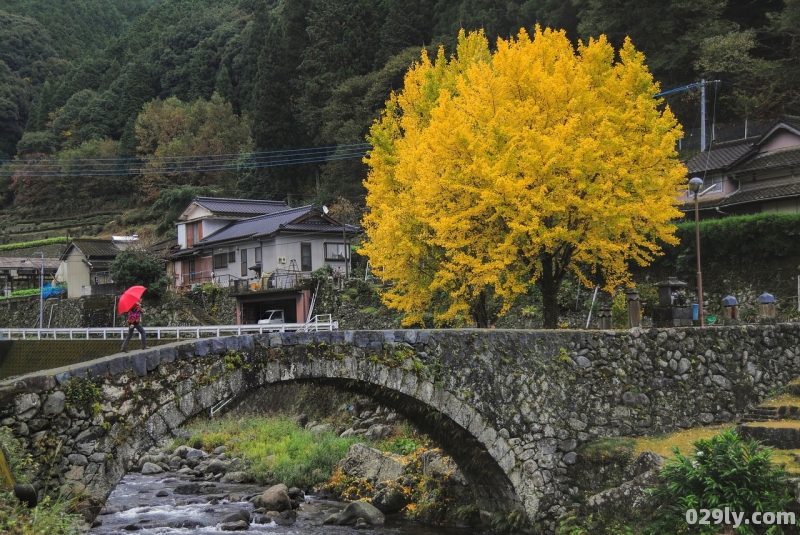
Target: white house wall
[(181, 235), (195, 212), (210, 226), (285, 248), (77, 274)]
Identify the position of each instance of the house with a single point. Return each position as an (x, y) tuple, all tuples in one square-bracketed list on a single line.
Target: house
[(85, 267), (264, 251), (20, 273), (749, 176)]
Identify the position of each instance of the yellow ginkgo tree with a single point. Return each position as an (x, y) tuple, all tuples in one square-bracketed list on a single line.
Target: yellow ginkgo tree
[(490, 172)]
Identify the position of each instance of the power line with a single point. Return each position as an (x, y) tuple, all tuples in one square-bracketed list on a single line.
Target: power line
[(181, 164)]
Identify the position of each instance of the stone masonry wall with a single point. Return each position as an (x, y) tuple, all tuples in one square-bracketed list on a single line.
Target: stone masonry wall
[(528, 399)]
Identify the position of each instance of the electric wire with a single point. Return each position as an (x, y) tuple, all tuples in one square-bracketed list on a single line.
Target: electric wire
[(181, 164)]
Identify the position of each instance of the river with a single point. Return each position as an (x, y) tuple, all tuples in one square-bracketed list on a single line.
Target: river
[(134, 507)]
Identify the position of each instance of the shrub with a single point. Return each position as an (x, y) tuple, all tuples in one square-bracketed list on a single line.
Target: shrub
[(725, 471)]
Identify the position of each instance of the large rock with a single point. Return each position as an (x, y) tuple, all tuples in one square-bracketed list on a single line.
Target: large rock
[(187, 452), (360, 509), (439, 466), (645, 462), (239, 525), (631, 500), (236, 477), (275, 498), (241, 514), (390, 497), (378, 432), (217, 467), (372, 465), (285, 518), (151, 468)]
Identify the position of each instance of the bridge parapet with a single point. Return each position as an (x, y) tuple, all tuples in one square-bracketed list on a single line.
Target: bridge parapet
[(512, 407)]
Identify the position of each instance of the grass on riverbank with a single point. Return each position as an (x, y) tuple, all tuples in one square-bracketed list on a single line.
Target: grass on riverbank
[(51, 517), (277, 450)]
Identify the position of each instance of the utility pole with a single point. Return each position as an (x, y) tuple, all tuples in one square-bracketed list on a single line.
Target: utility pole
[(41, 288), (702, 115), (702, 85)]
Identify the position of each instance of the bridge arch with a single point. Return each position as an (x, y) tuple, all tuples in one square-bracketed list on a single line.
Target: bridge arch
[(512, 406), (149, 395)]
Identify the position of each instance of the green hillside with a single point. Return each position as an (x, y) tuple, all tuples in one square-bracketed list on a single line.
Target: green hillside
[(92, 90)]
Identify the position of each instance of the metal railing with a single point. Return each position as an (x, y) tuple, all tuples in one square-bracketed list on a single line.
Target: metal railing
[(317, 323)]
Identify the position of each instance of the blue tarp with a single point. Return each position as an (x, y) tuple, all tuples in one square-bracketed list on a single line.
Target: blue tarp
[(50, 291)]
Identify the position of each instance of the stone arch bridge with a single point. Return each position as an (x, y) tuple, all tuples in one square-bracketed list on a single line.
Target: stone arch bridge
[(511, 407)]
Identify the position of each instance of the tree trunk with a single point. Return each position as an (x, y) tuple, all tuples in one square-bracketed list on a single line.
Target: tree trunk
[(549, 282), (549, 291), (479, 313)]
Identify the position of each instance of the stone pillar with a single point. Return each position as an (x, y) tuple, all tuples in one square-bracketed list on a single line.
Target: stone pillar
[(766, 306), (730, 308), (604, 318), (634, 309)]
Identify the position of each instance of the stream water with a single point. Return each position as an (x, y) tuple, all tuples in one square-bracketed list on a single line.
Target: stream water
[(149, 505)]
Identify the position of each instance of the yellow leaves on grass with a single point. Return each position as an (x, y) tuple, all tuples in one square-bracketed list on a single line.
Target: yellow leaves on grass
[(487, 163)]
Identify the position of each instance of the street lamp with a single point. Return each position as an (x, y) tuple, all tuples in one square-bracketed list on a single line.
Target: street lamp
[(41, 287), (694, 185)]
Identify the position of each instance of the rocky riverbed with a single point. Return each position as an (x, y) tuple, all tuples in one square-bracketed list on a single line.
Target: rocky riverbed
[(185, 489), (156, 505)]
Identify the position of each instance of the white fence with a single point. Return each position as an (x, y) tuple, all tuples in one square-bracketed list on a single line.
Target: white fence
[(317, 323)]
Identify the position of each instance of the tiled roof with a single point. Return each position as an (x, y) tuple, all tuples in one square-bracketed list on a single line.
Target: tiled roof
[(766, 193), (293, 219), (240, 207), (720, 155), (792, 120), (8, 262), (779, 158), (763, 194), (96, 247), (320, 226), (256, 226)]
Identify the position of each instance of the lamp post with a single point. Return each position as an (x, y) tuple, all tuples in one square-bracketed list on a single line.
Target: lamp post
[(41, 287), (344, 239), (694, 185)]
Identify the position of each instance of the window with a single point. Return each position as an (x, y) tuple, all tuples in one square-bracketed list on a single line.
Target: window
[(191, 270), (258, 255), (231, 257), (334, 251), (243, 254), (220, 260), (713, 184), (305, 257)]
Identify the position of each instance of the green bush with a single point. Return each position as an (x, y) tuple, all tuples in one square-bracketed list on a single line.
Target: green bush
[(136, 267), (34, 243), (742, 240), (277, 450), (725, 471)]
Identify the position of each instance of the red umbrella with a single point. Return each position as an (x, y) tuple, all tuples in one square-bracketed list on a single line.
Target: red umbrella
[(130, 298)]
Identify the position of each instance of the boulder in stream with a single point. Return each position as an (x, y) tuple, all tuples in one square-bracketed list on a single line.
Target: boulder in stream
[(355, 511), (275, 498)]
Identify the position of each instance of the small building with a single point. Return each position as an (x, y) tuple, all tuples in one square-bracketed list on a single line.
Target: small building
[(85, 267), (752, 175), (22, 273), (264, 251)]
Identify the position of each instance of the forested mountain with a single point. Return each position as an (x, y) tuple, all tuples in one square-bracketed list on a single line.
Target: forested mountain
[(149, 79)]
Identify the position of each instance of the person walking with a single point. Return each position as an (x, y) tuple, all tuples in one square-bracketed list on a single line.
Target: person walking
[(135, 322)]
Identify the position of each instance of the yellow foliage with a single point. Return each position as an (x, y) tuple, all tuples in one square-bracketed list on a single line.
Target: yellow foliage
[(508, 169)]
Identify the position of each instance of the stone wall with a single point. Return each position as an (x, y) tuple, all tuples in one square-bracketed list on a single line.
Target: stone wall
[(512, 407)]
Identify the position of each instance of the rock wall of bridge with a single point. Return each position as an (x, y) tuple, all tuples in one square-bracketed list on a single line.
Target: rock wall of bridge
[(512, 407)]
